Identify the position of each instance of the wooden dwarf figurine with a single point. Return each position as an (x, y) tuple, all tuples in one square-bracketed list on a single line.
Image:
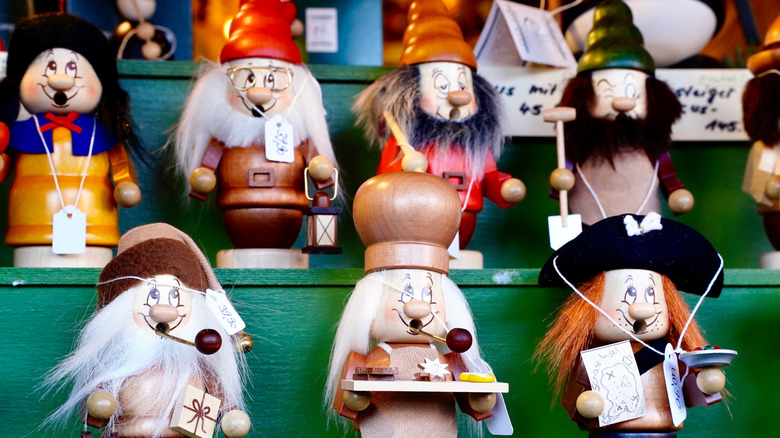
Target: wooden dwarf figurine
[(406, 292), (69, 128), (761, 116), (128, 369), (619, 143), (627, 271), (445, 111), (137, 37), (256, 120)]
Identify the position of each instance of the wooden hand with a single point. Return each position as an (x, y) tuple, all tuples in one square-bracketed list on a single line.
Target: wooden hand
[(681, 201), (235, 424), (711, 380), (513, 190), (127, 194), (590, 404), (203, 180)]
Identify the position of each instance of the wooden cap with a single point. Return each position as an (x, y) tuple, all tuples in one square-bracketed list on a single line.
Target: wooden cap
[(433, 36), (406, 220), (769, 57)]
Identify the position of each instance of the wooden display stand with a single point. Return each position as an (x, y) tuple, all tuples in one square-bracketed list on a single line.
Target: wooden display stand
[(423, 386), (262, 258), (43, 257)]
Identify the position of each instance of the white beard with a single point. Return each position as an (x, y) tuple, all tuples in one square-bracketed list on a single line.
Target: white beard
[(112, 348), (208, 114)]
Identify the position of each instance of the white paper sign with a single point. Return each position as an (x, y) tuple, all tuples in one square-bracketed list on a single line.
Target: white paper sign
[(674, 385), (3, 63), (322, 34), (279, 145), (534, 34), (613, 373), (711, 100), (69, 231), (218, 303)]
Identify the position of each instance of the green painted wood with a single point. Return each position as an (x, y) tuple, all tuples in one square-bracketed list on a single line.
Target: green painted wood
[(292, 316)]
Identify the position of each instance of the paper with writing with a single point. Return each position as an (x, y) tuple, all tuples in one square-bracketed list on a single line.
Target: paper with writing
[(613, 373), (279, 144), (218, 303), (674, 385)]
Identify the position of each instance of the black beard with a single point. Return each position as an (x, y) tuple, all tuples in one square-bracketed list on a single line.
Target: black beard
[(472, 135), (589, 137)]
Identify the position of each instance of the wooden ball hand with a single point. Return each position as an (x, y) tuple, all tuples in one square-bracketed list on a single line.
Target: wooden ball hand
[(203, 180), (590, 404), (681, 201)]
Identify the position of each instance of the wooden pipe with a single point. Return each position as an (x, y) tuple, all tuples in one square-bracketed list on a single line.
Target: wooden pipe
[(413, 160), (458, 339), (561, 177), (207, 341)]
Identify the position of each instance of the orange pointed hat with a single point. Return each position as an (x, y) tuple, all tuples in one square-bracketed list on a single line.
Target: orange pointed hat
[(433, 36), (769, 57), (261, 29)]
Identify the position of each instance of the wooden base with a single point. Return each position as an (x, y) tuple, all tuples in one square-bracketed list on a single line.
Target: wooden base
[(468, 259), (262, 258), (770, 260), (43, 257)]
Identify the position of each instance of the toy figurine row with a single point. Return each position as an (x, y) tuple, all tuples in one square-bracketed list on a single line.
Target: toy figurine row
[(406, 341)]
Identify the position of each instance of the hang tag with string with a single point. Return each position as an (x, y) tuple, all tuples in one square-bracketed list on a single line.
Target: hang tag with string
[(454, 248), (218, 303), (69, 231), (279, 144), (674, 385)]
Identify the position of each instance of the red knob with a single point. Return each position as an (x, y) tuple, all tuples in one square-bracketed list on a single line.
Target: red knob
[(208, 341), (459, 340)]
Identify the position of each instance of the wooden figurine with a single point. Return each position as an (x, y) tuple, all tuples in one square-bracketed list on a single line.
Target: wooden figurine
[(153, 336), (761, 113), (251, 125), (446, 111), (404, 386), (69, 133), (626, 272), (618, 145), (139, 38)]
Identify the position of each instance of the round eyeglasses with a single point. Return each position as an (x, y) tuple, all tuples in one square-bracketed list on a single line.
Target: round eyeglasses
[(273, 78)]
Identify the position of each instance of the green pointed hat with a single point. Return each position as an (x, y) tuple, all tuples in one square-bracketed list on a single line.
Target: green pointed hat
[(614, 41)]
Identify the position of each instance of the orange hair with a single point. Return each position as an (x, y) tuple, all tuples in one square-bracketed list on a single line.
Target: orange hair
[(572, 331)]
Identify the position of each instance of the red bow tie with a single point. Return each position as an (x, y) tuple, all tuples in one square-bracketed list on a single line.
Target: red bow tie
[(65, 122)]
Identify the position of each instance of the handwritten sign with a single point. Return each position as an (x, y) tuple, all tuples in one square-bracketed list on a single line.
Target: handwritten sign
[(711, 100), (219, 305), (534, 34), (613, 373)]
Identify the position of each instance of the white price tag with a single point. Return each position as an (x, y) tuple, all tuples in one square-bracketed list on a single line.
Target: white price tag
[(218, 303), (674, 385), (768, 159), (279, 145), (560, 235), (454, 249), (69, 231)]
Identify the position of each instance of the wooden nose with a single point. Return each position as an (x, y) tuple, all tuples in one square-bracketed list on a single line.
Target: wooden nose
[(623, 104), (163, 313), (259, 95), (417, 309), (459, 98), (61, 82), (641, 310)]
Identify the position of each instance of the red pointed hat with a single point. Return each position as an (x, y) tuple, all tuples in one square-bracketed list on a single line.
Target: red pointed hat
[(261, 29)]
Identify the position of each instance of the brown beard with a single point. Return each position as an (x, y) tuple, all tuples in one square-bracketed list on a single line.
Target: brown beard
[(760, 108), (588, 137)]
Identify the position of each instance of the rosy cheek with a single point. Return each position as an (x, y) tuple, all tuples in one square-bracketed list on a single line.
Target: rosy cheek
[(139, 320)]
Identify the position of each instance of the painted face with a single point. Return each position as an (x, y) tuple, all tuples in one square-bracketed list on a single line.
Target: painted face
[(415, 294), (162, 302), (266, 83), (619, 91), (132, 9), (447, 90), (635, 299), (60, 81)]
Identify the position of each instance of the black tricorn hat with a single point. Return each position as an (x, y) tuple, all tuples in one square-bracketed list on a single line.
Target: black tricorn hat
[(675, 250)]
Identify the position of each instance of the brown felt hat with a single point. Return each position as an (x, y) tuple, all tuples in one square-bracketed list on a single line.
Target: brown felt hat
[(155, 249), (433, 36)]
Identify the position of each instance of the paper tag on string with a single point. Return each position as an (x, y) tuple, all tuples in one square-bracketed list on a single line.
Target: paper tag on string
[(69, 231), (454, 249), (560, 235), (218, 303), (674, 385), (279, 145)]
